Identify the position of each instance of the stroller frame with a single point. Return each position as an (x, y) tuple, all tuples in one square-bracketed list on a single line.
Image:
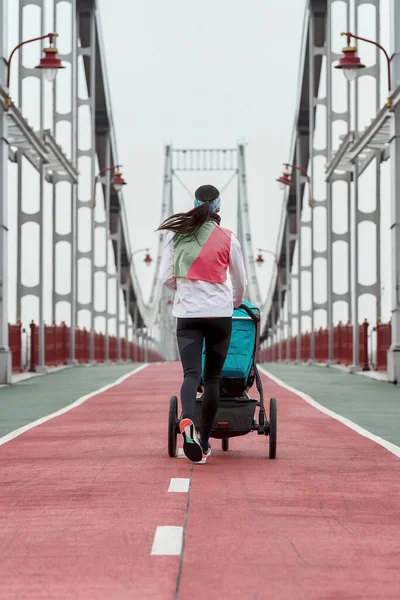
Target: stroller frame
[(237, 410)]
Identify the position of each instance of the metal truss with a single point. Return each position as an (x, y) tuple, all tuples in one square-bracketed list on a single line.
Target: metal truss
[(210, 159), (36, 147), (104, 147), (346, 164), (205, 160), (215, 159), (352, 158), (289, 234), (160, 297), (375, 138), (244, 231), (46, 156)]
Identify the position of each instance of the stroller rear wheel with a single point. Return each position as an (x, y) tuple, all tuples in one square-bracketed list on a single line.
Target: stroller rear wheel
[(272, 427), (225, 444), (173, 426)]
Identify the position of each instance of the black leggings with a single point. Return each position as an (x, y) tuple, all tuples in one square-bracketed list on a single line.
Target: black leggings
[(191, 334)]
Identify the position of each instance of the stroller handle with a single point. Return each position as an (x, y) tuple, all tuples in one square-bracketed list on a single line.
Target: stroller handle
[(255, 318)]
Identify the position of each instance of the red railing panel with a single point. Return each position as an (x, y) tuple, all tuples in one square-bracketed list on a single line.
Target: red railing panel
[(34, 348), (305, 346), (50, 345), (14, 342), (342, 346), (363, 346), (66, 332), (383, 341)]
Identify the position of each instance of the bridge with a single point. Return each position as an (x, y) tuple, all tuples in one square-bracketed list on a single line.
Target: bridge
[(93, 507)]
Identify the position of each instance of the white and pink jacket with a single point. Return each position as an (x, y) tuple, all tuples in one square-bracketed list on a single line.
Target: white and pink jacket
[(196, 270)]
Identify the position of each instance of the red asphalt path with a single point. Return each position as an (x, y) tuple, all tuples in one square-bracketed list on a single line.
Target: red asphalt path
[(82, 495)]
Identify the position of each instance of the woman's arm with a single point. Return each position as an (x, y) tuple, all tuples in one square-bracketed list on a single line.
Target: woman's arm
[(167, 264), (238, 272)]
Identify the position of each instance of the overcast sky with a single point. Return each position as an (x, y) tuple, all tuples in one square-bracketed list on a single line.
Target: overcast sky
[(201, 74)]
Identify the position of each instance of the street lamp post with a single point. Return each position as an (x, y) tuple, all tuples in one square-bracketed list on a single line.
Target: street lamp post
[(127, 310), (5, 354), (284, 181), (146, 345), (351, 64), (118, 287), (135, 334), (279, 324), (147, 260), (116, 182), (50, 63)]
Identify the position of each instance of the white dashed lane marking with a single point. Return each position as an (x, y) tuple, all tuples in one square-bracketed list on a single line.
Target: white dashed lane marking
[(167, 541), (179, 485)]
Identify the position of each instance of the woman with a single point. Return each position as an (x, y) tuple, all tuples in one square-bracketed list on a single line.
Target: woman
[(197, 256)]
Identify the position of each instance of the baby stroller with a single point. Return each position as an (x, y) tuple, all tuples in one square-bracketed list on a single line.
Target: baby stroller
[(236, 412)]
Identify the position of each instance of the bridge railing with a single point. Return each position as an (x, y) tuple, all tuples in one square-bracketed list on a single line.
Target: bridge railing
[(342, 347), (57, 347)]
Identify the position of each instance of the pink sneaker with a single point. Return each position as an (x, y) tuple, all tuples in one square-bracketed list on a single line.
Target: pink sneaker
[(191, 445)]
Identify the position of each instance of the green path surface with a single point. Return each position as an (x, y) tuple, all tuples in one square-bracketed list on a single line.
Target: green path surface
[(372, 404), (34, 398)]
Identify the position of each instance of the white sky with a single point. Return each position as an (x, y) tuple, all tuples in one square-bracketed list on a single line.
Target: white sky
[(197, 75), (202, 75)]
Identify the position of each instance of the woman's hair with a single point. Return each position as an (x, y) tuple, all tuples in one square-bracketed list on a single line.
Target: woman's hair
[(188, 223)]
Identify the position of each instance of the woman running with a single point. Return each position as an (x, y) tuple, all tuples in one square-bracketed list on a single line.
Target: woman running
[(198, 253)]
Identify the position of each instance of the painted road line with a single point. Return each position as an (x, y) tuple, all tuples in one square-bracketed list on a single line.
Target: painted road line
[(167, 541), (181, 453), (179, 484), (357, 428), (17, 432)]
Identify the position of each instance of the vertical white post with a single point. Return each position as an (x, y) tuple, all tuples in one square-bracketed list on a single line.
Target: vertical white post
[(5, 354), (311, 75), (135, 331), (127, 307), (329, 232), (118, 285), (299, 205), (288, 290), (280, 317), (74, 186), (106, 274), (41, 366), (394, 350), (356, 338), (146, 345), (92, 176)]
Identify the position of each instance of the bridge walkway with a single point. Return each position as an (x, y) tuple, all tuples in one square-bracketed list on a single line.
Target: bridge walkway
[(92, 506)]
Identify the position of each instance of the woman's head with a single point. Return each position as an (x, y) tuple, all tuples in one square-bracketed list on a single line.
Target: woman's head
[(206, 207), (208, 193)]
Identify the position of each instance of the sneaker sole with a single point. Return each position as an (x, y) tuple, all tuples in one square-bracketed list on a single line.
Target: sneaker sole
[(205, 456), (191, 447)]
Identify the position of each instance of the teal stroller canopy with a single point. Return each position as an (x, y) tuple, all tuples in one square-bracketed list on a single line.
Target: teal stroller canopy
[(239, 360)]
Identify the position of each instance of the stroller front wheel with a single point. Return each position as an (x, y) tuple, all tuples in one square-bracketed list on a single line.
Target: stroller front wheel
[(273, 417), (225, 444)]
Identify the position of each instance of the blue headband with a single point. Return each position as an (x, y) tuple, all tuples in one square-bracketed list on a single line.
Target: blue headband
[(215, 205)]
